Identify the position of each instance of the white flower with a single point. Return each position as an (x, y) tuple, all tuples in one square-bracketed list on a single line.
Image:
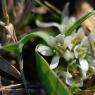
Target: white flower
[(67, 42), (76, 73), (61, 27), (70, 80), (45, 50), (64, 25), (84, 67), (56, 50), (74, 39), (82, 49), (68, 55), (54, 62)]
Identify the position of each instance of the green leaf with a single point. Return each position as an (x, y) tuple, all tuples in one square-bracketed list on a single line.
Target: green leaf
[(43, 35), (17, 47), (12, 48), (51, 83), (78, 23), (7, 70)]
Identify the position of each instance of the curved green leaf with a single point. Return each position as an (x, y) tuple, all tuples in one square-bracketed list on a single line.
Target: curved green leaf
[(78, 23), (17, 47), (43, 35), (51, 83), (12, 48)]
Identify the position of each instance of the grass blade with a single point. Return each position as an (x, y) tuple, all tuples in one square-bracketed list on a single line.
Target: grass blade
[(78, 23)]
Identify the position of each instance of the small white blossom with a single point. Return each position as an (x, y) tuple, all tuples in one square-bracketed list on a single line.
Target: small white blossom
[(54, 62), (74, 39), (68, 55), (64, 25), (69, 80), (76, 49), (84, 65), (45, 50)]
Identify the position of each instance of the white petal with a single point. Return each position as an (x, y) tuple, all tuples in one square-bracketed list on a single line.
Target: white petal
[(68, 55), (72, 19), (46, 24), (67, 42), (75, 51), (45, 50), (69, 81), (54, 62), (84, 65), (61, 28)]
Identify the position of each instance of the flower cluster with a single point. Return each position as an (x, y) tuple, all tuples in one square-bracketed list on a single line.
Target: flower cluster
[(77, 51)]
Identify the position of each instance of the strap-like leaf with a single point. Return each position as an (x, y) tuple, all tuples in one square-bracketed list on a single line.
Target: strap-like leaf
[(12, 48), (78, 23), (51, 83), (43, 35), (7, 70), (17, 47)]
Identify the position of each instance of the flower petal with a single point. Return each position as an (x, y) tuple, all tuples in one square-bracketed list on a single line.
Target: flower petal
[(75, 51), (84, 65), (45, 50), (47, 24), (71, 81), (54, 62), (67, 42), (68, 55)]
